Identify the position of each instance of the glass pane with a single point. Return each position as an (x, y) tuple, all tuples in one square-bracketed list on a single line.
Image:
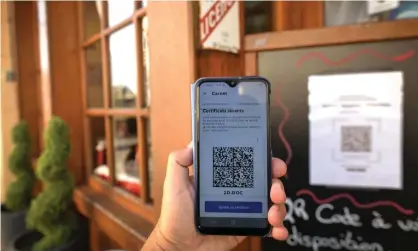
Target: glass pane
[(123, 68), (355, 12), (119, 10), (257, 16), (125, 154), (346, 12), (406, 10), (98, 147), (94, 83), (91, 18), (145, 50)]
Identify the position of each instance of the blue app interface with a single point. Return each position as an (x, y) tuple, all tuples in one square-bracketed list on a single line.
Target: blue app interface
[(233, 154)]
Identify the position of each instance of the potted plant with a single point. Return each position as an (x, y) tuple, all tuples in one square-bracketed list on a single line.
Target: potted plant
[(19, 192), (52, 216)]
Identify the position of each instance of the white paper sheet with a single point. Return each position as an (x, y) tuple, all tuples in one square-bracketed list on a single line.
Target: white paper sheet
[(378, 6), (356, 133)]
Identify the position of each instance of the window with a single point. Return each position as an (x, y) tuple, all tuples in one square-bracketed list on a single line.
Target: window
[(356, 12), (116, 90), (258, 16)]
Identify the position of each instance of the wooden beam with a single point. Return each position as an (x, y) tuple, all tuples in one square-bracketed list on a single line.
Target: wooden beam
[(120, 225), (172, 70), (66, 99), (251, 64), (297, 15), (27, 45), (381, 31)]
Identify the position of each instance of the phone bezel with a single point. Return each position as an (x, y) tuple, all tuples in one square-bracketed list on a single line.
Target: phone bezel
[(232, 230)]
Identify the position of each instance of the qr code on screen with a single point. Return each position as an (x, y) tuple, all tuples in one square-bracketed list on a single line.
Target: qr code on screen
[(233, 167), (356, 139)]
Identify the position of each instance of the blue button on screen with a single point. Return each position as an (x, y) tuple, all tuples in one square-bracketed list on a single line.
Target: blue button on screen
[(233, 207)]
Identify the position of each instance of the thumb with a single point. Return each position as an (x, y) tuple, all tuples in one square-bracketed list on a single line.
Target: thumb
[(177, 167)]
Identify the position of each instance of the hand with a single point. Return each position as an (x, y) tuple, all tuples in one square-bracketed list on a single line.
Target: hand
[(176, 230)]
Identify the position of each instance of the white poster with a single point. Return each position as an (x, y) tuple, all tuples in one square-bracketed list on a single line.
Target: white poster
[(219, 25), (355, 123)]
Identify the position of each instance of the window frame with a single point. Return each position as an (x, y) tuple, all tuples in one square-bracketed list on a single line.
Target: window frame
[(356, 33), (141, 205)]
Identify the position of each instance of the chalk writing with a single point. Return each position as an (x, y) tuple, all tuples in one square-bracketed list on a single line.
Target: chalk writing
[(347, 218), (260, 42), (346, 241), (378, 222), (296, 208), (408, 225), (326, 213)]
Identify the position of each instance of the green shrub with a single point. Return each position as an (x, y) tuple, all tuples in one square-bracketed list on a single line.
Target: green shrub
[(19, 192), (52, 211)]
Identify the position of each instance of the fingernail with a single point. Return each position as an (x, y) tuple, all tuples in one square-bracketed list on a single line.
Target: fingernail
[(190, 145)]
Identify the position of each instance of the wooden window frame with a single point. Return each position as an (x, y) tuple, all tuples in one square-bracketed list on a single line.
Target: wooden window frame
[(357, 33), (142, 205)]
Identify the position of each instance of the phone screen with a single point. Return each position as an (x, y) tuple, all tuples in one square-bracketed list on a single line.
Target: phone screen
[(233, 155)]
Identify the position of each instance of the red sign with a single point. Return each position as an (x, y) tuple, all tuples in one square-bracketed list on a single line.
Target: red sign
[(213, 17)]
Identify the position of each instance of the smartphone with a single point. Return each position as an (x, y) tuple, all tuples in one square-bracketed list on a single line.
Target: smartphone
[(232, 155)]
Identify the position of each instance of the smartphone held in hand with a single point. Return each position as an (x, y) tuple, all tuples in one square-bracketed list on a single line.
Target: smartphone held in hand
[(232, 155)]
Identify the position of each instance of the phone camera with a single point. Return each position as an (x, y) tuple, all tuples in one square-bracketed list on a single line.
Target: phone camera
[(233, 83)]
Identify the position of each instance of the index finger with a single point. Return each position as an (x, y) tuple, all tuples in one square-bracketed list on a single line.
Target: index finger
[(278, 167)]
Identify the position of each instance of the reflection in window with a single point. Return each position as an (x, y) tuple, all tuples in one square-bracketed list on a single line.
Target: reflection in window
[(257, 16), (91, 18), (145, 52), (346, 12), (94, 85), (119, 10), (355, 12), (123, 68), (98, 147), (406, 10), (125, 153)]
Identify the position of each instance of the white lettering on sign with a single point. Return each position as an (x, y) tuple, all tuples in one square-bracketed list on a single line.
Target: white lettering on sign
[(213, 17), (220, 25), (347, 218), (346, 242)]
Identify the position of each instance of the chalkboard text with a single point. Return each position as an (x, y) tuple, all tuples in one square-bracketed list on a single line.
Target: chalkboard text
[(328, 214), (346, 242)]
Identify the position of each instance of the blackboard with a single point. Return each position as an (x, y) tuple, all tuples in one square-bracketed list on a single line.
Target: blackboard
[(288, 70)]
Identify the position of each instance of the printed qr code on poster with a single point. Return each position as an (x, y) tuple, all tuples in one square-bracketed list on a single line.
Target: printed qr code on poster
[(356, 139), (233, 167)]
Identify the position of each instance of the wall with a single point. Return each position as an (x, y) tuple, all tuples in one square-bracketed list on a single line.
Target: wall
[(27, 39), (9, 91)]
